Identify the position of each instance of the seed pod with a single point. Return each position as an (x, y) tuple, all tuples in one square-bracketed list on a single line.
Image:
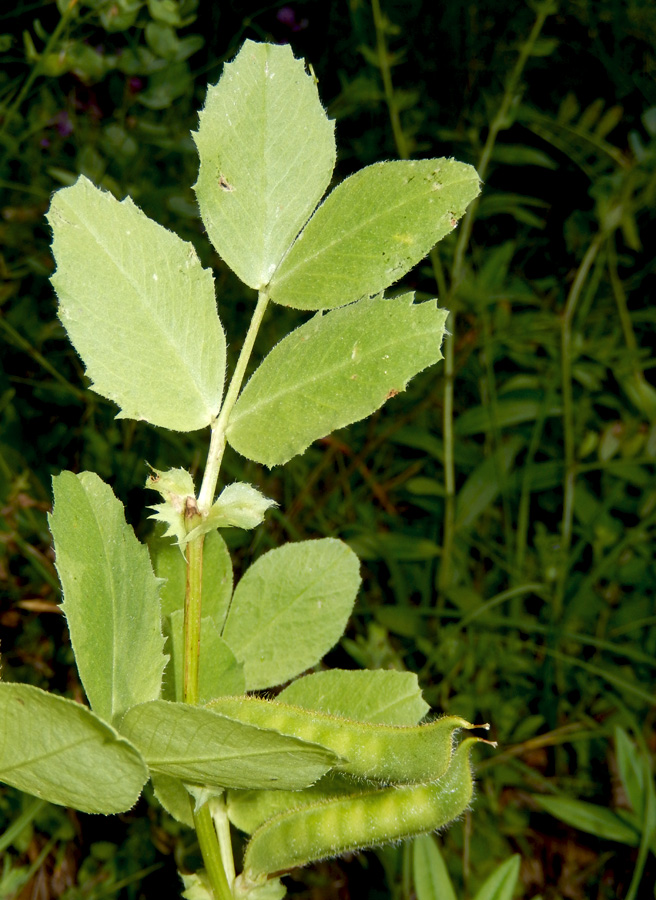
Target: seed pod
[(392, 754), (249, 809), (371, 817)]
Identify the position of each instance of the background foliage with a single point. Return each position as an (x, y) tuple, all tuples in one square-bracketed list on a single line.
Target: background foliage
[(504, 507)]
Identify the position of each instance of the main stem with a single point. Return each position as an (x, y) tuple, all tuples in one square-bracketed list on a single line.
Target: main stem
[(215, 856)]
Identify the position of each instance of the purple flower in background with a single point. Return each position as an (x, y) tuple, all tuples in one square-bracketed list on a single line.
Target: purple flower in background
[(135, 85), (62, 123), (287, 16)]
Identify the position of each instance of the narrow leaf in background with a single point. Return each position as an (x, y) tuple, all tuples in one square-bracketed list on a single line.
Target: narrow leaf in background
[(290, 608), (502, 882), (430, 874), (110, 596), (332, 371), (589, 817), (372, 229), (138, 308), (267, 151), (60, 751), (201, 747)]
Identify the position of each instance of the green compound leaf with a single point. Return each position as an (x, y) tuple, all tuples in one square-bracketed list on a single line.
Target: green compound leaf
[(110, 596), (60, 751), (372, 229), (290, 608), (199, 746), (139, 309), (267, 152), (382, 696), (366, 818), (332, 371)]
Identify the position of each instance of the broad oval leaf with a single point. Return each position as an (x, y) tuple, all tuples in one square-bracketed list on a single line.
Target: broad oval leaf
[(381, 696), (110, 596), (372, 229), (60, 751), (199, 746), (333, 370), (267, 152), (139, 309), (290, 607)]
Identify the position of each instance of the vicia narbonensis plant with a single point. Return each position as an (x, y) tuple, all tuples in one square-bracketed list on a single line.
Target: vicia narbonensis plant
[(338, 760)]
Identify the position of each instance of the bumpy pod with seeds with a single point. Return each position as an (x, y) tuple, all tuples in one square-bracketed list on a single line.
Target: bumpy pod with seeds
[(370, 816), (392, 754)]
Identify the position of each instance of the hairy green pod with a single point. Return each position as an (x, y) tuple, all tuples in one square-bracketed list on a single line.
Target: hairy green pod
[(393, 754), (368, 818), (249, 809)]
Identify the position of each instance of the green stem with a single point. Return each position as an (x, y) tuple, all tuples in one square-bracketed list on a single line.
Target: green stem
[(218, 439), (192, 616), (383, 64), (20, 342), (36, 68), (32, 808), (211, 851), (523, 514), (216, 856), (222, 826), (448, 532), (568, 417)]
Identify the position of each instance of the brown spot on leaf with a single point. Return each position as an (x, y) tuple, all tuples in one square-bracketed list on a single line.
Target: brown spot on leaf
[(391, 394), (224, 184)]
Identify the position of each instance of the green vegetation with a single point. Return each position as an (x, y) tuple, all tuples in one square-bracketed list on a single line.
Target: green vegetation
[(504, 507)]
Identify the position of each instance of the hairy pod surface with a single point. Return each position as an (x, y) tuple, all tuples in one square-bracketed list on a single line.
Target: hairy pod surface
[(371, 817), (393, 754), (249, 809)]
